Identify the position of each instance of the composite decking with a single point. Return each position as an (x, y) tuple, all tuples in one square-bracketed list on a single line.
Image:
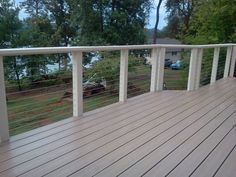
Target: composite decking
[(168, 133)]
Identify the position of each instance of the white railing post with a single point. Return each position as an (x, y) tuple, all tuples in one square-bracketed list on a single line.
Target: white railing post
[(199, 67), (77, 58), (124, 55), (227, 62), (233, 61), (192, 69), (4, 129), (160, 68), (215, 65), (154, 61)]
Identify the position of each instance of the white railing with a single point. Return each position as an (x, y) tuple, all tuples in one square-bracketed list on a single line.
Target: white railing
[(157, 73)]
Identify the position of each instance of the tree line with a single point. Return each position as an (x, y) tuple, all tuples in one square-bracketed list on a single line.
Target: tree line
[(67, 23), (201, 21), (104, 22)]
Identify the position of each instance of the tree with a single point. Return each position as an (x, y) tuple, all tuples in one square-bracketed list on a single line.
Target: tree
[(92, 17), (126, 21), (61, 17), (108, 67), (9, 33), (64, 26), (9, 24), (36, 32), (157, 22), (112, 21), (34, 7), (213, 22), (179, 15)]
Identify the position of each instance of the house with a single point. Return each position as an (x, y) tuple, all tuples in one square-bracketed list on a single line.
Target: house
[(173, 54)]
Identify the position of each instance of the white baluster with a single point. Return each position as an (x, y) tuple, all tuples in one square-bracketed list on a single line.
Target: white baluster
[(233, 61), (124, 55), (160, 69), (154, 61), (227, 62), (4, 129), (77, 58), (199, 67), (192, 69), (215, 65)]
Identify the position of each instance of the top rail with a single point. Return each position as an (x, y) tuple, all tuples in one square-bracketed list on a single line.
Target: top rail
[(57, 50)]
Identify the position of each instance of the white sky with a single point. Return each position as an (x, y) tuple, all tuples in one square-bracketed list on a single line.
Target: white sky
[(152, 18)]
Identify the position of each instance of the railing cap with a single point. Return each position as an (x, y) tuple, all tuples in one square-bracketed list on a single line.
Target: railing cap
[(56, 50)]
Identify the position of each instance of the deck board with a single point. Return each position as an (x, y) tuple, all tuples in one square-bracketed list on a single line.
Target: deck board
[(154, 134), (152, 157), (227, 168)]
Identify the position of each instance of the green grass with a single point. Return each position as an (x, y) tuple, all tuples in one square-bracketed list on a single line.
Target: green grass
[(100, 100), (32, 111), (175, 79)]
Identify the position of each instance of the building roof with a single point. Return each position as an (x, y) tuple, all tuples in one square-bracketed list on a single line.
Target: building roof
[(169, 41)]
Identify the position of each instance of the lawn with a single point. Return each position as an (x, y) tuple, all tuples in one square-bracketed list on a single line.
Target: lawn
[(32, 111)]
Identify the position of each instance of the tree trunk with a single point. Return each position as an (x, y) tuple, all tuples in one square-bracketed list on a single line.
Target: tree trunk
[(157, 22), (17, 76)]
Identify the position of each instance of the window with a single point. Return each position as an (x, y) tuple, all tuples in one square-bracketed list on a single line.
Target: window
[(174, 53)]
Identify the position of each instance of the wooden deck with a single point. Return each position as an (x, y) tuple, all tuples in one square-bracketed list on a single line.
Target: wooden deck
[(169, 133)]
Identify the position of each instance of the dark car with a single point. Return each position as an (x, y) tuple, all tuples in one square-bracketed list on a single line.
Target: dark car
[(168, 63)]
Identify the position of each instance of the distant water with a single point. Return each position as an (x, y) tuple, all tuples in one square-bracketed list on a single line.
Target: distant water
[(53, 67)]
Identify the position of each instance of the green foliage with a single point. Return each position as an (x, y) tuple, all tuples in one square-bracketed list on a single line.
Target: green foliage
[(213, 22), (34, 7), (107, 67), (201, 21), (9, 32), (9, 24), (179, 16), (109, 21)]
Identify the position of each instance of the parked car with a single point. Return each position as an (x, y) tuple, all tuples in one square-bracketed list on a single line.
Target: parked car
[(177, 65), (168, 63)]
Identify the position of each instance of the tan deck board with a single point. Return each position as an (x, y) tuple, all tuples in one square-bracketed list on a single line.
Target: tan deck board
[(141, 152), (190, 163), (141, 136), (217, 154), (228, 166), (129, 160), (164, 166)]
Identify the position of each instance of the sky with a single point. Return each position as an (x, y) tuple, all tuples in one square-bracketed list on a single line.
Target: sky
[(152, 18)]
